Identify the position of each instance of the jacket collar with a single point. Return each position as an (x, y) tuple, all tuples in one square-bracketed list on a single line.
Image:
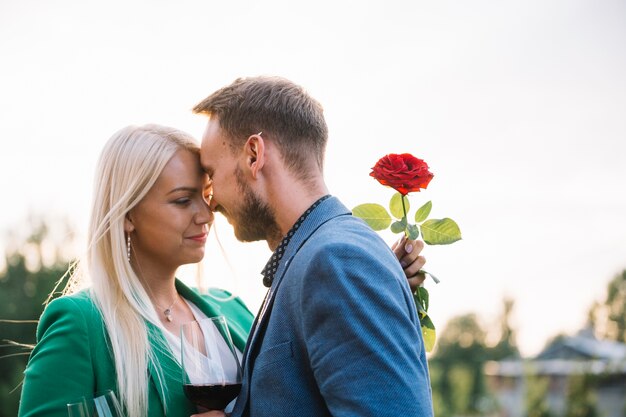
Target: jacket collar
[(327, 210), (209, 309)]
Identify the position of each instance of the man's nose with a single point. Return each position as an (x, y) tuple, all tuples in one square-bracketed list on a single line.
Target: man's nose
[(205, 214)]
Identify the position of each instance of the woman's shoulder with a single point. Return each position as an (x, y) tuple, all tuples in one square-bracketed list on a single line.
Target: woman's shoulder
[(79, 301), (78, 308), (72, 322)]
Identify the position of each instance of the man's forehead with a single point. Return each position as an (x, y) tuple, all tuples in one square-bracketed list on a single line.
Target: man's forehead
[(212, 127), (205, 162), (210, 152), (212, 137)]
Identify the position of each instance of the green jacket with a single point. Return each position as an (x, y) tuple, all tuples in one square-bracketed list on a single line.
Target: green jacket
[(72, 359)]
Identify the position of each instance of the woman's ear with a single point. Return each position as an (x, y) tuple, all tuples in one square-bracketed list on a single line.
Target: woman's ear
[(255, 153), (128, 223)]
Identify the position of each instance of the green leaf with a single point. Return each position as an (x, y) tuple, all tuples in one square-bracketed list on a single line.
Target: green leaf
[(375, 215), (413, 231), (428, 332), (395, 205), (421, 296), (399, 226), (440, 232), (427, 322), (423, 212), (430, 336)]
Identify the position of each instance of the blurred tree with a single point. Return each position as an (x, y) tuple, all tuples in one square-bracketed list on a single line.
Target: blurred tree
[(462, 379), (440, 404), (580, 399), (609, 318), (506, 347), (537, 396), (33, 266), (457, 366)]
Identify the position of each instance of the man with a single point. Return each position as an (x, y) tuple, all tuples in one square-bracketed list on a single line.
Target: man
[(338, 333)]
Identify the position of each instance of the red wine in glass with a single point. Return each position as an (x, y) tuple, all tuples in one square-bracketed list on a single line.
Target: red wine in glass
[(212, 397), (210, 364)]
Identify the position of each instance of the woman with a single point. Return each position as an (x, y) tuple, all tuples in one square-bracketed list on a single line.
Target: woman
[(150, 215)]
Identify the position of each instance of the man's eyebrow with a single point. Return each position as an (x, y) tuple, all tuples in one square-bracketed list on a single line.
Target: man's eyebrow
[(207, 169), (189, 189)]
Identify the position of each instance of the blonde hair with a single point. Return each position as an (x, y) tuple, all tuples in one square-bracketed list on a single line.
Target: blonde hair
[(129, 165)]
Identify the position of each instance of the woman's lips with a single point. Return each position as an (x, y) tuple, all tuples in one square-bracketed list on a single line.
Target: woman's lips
[(201, 238)]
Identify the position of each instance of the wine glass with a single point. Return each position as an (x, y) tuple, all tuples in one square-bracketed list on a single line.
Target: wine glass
[(210, 365), (104, 404)]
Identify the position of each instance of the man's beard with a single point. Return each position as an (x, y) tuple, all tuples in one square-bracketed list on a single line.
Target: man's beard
[(253, 220)]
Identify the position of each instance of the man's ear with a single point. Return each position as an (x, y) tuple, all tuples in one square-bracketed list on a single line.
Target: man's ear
[(128, 223), (254, 152)]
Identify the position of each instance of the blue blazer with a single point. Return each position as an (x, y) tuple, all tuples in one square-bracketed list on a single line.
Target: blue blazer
[(338, 334)]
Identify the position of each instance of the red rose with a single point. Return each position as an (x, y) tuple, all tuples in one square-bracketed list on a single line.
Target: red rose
[(404, 173)]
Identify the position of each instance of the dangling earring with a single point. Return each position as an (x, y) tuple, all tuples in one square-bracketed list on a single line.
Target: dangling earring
[(128, 246)]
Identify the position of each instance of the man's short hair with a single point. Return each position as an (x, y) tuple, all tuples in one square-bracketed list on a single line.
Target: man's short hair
[(285, 113)]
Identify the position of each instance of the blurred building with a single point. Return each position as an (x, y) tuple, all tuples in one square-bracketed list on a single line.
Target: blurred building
[(581, 354)]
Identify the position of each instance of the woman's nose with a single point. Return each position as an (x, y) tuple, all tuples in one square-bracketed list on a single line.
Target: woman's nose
[(205, 214)]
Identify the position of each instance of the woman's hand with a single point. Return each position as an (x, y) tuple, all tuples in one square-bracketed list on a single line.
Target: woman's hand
[(408, 253)]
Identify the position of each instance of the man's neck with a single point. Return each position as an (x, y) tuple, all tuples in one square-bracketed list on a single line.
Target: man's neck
[(290, 201)]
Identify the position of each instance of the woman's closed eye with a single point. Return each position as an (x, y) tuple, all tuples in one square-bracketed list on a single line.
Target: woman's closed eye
[(183, 201)]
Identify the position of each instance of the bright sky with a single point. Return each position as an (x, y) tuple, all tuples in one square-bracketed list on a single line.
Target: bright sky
[(519, 107)]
